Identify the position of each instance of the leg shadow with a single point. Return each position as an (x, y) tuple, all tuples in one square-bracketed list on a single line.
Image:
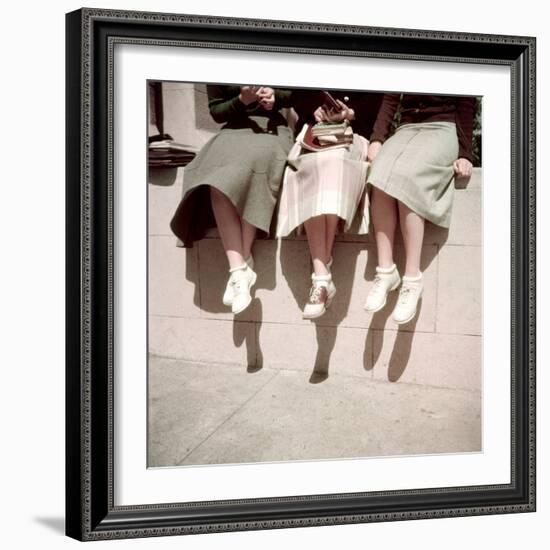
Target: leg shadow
[(326, 338), (435, 237), (206, 267), (296, 268), (402, 346), (375, 334), (248, 333)]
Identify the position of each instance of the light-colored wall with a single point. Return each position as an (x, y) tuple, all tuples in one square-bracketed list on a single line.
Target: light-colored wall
[(187, 319), (186, 116)]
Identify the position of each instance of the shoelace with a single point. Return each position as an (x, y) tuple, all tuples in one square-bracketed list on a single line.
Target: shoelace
[(404, 294), (377, 285), (237, 284)]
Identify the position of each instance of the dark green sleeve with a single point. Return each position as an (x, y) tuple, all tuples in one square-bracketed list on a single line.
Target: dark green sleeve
[(224, 106), (283, 98)]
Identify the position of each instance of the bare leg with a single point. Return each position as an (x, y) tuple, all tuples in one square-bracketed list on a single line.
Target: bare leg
[(248, 232), (412, 228), (331, 225), (229, 226), (384, 219), (316, 231)]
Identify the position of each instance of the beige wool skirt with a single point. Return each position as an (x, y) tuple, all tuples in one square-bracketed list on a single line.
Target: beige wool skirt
[(415, 166), (325, 182)]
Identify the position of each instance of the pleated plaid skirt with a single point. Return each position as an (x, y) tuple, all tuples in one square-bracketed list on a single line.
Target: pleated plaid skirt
[(415, 166), (325, 182)]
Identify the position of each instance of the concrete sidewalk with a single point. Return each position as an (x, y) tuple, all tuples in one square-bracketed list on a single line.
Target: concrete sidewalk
[(207, 413)]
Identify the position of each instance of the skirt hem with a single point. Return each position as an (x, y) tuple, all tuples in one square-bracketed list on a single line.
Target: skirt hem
[(446, 223)]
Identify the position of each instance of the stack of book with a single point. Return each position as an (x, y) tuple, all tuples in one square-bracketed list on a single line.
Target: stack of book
[(167, 153), (332, 133), (326, 135)]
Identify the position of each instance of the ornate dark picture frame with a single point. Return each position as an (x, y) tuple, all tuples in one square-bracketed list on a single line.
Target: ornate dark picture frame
[(90, 510)]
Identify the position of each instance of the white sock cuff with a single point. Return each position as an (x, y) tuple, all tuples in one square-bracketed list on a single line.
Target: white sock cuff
[(321, 278), (386, 269), (233, 269), (412, 279)]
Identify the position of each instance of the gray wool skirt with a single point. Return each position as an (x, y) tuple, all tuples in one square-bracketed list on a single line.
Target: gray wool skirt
[(246, 165), (415, 166)]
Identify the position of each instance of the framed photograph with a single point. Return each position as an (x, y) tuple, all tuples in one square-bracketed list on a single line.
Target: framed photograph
[(300, 274)]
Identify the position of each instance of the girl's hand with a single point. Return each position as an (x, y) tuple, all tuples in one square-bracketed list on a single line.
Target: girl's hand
[(266, 97), (462, 168), (373, 150), (248, 94), (322, 114), (345, 113)]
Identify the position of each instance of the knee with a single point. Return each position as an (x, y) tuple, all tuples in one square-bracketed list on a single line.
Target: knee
[(217, 197)]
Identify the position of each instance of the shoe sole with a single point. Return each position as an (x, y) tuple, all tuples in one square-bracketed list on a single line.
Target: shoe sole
[(408, 320), (379, 308), (252, 283), (327, 305)]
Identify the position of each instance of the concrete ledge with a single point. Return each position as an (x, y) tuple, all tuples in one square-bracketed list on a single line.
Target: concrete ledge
[(166, 185)]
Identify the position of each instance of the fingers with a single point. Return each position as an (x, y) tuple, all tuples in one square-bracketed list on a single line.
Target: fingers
[(336, 116), (265, 91), (267, 103), (462, 168), (320, 114), (266, 97)]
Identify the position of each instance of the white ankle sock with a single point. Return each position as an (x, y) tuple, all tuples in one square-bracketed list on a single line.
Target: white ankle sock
[(413, 279), (244, 266), (386, 269)]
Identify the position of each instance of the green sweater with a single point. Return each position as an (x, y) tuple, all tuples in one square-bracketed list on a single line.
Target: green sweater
[(225, 105)]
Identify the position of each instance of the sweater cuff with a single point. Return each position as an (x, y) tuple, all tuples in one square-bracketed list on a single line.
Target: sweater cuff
[(376, 137), (465, 154)]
